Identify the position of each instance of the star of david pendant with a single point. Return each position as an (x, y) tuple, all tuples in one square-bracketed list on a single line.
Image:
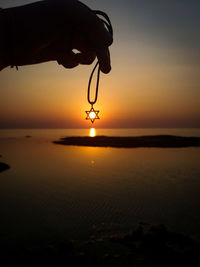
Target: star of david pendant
[(92, 115)]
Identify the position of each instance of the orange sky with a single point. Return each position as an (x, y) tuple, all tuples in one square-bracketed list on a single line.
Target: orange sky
[(155, 81)]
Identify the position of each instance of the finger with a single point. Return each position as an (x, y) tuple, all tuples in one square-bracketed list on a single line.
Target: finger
[(68, 60), (86, 58), (98, 34), (103, 56)]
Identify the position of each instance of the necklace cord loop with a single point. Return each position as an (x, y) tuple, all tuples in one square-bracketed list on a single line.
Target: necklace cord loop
[(97, 84), (108, 24)]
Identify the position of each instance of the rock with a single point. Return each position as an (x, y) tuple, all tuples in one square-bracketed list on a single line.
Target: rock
[(156, 246), (3, 166)]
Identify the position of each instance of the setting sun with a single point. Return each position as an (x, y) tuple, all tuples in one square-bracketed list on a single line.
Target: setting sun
[(92, 115), (92, 132)]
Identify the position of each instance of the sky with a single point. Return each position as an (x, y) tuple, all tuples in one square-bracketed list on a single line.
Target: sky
[(154, 82)]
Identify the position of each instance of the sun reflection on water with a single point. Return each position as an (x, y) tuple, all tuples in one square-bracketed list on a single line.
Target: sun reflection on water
[(92, 132)]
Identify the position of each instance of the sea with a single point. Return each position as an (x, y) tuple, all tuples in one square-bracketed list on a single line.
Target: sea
[(60, 192)]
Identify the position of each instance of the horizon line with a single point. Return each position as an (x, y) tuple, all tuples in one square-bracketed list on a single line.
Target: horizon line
[(92, 126)]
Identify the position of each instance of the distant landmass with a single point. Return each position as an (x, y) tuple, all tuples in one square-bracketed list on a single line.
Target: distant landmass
[(162, 141)]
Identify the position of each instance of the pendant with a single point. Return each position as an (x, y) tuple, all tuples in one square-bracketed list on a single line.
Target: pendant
[(92, 115)]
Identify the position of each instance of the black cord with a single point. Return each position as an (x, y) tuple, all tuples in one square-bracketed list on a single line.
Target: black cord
[(97, 84), (108, 24)]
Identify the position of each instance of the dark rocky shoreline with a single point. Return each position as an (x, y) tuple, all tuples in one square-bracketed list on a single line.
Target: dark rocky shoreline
[(162, 141), (145, 246)]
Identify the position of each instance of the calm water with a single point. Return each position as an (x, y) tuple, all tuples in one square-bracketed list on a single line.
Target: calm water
[(54, 191)]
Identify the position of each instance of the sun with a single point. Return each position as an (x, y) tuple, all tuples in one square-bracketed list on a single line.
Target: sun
[(92, 115)]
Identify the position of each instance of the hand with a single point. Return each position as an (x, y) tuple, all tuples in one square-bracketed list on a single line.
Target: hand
[(51, 29)]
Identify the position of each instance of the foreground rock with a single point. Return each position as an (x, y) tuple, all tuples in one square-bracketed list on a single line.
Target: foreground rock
[(131, 142), (145, 246), (3, 166)]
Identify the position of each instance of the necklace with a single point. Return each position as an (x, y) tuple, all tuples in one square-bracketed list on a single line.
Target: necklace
[(92, 114)]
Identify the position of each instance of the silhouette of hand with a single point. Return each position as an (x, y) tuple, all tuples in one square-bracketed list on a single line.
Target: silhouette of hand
[(51, 29)]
